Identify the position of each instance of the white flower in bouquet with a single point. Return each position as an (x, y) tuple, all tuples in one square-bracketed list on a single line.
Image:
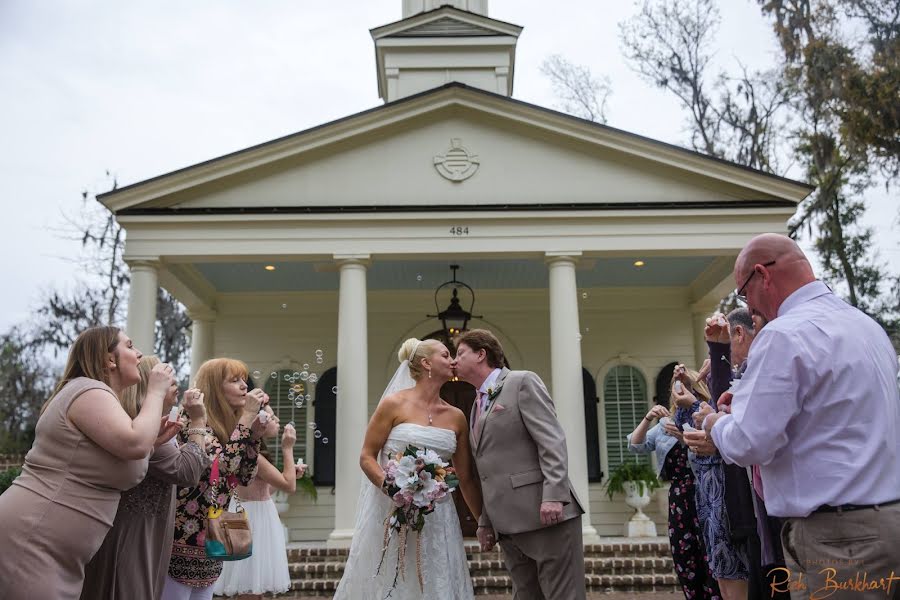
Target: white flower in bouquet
[(424, 494), (406, 472)]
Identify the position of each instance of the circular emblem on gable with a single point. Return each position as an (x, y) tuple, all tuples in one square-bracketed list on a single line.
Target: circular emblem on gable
[(457, 164)]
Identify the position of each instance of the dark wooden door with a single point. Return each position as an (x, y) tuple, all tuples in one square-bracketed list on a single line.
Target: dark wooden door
[(461, 395)]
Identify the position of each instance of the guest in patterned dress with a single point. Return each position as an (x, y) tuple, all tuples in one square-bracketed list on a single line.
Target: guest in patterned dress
[(134, 557), (86, 451), (727, 561), (232, 445), (685, 536)]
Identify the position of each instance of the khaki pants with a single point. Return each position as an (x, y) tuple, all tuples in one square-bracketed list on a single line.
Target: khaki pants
[(853, 555), (546, 564)]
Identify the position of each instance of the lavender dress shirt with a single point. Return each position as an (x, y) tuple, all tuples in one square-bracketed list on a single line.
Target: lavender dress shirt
[(818, 408)]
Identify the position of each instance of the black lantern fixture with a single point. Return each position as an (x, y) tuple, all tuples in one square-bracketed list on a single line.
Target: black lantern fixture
[(454, 318)]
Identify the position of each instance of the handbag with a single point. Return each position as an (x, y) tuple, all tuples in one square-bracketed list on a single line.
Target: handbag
[(227, 533)]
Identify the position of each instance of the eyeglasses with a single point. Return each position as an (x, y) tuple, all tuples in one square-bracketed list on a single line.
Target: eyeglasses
[(739, 293)]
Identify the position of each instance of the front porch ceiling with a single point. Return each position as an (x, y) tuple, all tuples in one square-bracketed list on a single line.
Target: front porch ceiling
[(298, 276)]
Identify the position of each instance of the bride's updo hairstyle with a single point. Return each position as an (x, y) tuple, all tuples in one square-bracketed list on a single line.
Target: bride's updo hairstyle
[(414, 351)]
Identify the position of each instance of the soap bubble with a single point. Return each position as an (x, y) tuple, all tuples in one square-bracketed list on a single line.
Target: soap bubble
[(584, 295), (283, 306), (312, 425), (324, 440), (318, 434), (319, 353), (306, 366), (299, 403), (296, 374), (256, 374), (313, 378), (334, 390), (319, 360), (419, 277), (274, 375), (304, 376)]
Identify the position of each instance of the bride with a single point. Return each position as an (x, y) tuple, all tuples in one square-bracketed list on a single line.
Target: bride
[(412, 412)]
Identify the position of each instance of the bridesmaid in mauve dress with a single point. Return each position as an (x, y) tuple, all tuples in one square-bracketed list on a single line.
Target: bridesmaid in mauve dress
[(134, 557), (86, 451)]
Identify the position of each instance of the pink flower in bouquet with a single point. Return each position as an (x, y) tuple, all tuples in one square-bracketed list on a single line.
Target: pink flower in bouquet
[(403, 498), (201, 538)]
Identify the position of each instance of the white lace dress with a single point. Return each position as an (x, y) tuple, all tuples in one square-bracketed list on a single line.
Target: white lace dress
[(445, 571)]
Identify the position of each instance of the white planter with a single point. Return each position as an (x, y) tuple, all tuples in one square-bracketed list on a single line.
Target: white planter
[(637, 497)]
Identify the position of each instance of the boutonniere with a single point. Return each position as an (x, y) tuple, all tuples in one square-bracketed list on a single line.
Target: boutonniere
[(493, 391)]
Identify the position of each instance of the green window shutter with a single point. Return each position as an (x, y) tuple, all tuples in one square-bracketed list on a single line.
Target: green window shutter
[(625, 404), (284, 398)]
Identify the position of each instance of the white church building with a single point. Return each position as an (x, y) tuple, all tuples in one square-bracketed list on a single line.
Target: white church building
[(593, 253)]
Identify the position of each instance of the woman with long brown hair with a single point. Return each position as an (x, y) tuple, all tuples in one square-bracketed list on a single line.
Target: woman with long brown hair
[(232, 435), (86, 451), (134, 557)]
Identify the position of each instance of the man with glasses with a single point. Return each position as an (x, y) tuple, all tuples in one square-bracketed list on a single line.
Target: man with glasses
[(818, 409)]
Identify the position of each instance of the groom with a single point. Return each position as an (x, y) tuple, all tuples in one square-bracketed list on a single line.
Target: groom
[(520, 454)]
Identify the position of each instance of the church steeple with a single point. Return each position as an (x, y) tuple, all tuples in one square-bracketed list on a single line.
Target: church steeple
[(439, 41)]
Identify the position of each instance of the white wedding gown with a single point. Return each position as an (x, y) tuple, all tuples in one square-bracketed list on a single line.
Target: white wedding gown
[(445, 571)]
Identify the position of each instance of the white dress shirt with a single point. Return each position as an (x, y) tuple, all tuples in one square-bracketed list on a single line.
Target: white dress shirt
[(818, 408)]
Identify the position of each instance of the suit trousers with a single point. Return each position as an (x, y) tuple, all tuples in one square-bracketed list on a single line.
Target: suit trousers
[(849, 555), (547, 563)]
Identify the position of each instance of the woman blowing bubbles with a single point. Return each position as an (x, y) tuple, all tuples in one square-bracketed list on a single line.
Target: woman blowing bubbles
[(86, 451)]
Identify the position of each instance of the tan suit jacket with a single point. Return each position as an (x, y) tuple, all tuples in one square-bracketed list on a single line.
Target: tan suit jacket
[(521, 456)]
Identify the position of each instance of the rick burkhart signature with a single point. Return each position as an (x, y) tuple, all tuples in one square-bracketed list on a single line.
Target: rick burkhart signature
[(783, 581)]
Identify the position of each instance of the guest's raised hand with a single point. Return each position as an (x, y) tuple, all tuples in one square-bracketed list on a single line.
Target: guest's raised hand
[(704, 370), (161, 380), (167, 430), (672, 429), (194, 407), (657, 412), (716, 329), (705, 409), (289, 437), (682, 395), (700, 443), (256, 400)]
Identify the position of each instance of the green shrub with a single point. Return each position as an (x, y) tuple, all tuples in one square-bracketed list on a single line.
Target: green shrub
[(7, 476), (640, 473)]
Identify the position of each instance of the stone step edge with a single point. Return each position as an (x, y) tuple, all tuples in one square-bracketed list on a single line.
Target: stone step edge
[(629, 547), (495, 582)]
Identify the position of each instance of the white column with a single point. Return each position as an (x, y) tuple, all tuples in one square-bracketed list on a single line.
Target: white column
[(352, 396), (565, 361), (141, 326), (202, 338)]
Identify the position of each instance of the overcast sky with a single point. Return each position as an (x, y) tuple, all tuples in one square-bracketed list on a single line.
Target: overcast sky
[(144, 87)]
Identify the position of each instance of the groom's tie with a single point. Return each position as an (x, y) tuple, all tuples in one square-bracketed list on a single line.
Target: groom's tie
[(479, 396)]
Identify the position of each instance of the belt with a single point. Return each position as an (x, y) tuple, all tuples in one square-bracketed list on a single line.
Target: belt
[(827, 508)]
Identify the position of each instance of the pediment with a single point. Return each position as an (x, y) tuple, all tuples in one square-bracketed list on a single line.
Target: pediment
[(446, 22), (458, 149)]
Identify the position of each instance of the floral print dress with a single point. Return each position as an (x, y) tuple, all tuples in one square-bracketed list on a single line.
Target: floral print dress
[(237, 460), (685, 537)]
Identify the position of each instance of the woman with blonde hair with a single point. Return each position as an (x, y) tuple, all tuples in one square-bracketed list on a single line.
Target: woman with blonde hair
[(86, 451), (411, 412), (232, 436), (134, 557)]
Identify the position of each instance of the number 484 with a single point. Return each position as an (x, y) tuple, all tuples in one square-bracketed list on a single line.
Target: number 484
[(459, 230)]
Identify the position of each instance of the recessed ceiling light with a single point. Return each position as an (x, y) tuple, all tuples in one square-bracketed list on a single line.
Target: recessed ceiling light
[(639, 263), (270, 267)]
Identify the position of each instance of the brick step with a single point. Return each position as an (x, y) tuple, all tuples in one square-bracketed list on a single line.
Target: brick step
[(500, 584), (616, 550), (592, 566)]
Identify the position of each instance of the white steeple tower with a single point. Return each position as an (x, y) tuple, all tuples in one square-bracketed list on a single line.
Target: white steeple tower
[(442, 41)]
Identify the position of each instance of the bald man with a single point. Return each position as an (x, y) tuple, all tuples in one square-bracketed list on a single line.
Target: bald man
[(818, 409)]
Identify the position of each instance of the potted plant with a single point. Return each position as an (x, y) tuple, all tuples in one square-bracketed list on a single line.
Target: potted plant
[(635, 481)]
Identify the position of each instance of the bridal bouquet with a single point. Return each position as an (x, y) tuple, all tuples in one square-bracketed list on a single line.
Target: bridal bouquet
[(414, 479)]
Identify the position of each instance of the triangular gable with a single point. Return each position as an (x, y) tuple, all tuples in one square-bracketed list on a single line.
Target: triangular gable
[(446, 27), (383, 151), (453, 21)]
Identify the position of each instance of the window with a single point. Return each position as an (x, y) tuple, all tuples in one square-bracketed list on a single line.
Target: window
[(289, 398), (625, 404)]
